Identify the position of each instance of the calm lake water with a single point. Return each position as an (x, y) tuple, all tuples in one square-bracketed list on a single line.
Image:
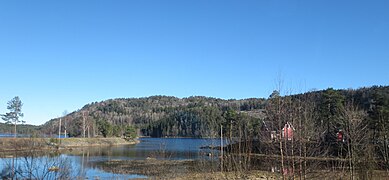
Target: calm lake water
[(2, 135), (82, 162)]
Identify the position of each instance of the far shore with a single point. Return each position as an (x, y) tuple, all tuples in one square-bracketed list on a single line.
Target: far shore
[(180, 137), (11, 145)]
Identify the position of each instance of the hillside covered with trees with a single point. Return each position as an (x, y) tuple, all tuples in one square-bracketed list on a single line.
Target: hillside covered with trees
[(160, 116), (156, 116)]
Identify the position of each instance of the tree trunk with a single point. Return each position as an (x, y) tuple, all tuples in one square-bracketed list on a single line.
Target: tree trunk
[(350, 154), (282, 157), (300, 148), (15, 130)]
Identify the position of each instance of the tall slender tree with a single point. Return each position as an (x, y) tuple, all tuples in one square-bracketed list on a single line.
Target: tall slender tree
[(330, 110), (15, 112)]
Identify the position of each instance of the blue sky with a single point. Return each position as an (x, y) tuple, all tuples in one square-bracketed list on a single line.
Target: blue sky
[(61, 55)]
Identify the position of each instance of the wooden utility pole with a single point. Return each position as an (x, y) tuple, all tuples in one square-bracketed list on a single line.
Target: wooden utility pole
[(59, 129), (221, 148), (65, 128), (83, 124)]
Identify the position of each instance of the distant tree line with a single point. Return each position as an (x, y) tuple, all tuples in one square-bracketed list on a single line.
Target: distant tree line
[(24, 129)]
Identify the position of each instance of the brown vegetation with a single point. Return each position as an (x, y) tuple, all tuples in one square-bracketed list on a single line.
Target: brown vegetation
[(22, 144), (178, 169), (37, 144)]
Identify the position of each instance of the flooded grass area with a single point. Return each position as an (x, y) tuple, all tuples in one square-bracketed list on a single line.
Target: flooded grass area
[(200, 169), (180, 169)]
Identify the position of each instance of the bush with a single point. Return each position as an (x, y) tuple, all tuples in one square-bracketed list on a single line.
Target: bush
[(130, 132), (53, 141)]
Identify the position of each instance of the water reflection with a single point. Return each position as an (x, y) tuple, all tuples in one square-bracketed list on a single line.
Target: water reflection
[(160, 148), (34, 167)]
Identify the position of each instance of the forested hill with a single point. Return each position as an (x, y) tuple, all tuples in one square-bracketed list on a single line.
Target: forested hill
[(161, 116), (154, 116)]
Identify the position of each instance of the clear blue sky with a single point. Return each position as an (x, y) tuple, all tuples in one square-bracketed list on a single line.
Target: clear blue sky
[(61, 55)]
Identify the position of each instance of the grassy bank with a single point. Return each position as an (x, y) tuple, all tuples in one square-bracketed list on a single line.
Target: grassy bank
[(80, 142), (28, 144)]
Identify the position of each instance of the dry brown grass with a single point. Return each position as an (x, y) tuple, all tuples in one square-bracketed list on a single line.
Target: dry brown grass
[(79, 142), (179, 169), (28, 144), (20, 144), (198, 169)]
